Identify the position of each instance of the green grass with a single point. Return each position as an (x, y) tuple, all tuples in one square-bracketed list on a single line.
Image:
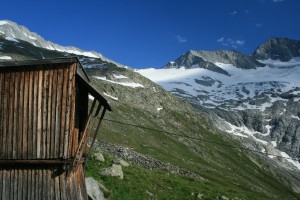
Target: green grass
[(139, 183), (228, 171)]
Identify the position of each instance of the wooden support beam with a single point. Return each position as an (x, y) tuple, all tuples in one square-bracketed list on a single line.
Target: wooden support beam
[(81, 145), (97, 129), (35, 162)]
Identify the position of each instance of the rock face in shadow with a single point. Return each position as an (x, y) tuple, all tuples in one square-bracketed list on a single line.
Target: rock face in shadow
[(282, 49)]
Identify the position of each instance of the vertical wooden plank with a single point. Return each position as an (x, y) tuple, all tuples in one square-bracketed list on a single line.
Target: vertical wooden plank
[(53, 112), (15, 184), (3, 193), (39, 144), (1, 177), (11, 116), (28, 184), (52, 184), (49, 113), (46, 182), (1, 114), (62, 180), (20, 184), (20, 116), (9, 184), (33, 185), (37, 186), (68, 109), (25, 114), (57, 187), (58, 117), (15, 115), (72, 111), (35, 114), (63, 111), (30, 117), (5, 114), (45, 112), (25, 184), (81, 179), (74, 187)]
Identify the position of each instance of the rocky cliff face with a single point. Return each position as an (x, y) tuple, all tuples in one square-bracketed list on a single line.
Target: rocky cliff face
[(282, 49)]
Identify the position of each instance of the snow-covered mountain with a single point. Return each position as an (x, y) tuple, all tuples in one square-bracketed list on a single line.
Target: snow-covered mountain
[(14, 32), (249, 98)]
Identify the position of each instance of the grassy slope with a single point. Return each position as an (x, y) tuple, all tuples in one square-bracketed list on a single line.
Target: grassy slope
[(228, 171)]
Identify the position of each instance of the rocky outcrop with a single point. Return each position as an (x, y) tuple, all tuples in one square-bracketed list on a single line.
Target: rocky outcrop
[(141, 160), (277, 49)]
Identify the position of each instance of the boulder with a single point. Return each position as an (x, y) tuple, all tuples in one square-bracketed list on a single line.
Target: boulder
[(121, 162), (99, 157), (114, 170), (94, 189)]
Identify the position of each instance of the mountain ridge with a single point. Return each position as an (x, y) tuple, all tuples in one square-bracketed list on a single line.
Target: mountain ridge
[(10, 30)]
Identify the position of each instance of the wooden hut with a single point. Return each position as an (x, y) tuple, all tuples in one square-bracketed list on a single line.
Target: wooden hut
[(44, 124)]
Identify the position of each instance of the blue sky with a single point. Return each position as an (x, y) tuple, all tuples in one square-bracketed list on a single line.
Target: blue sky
[(149, 33)]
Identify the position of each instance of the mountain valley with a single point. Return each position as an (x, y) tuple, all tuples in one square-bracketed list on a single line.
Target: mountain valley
[(219, 124)]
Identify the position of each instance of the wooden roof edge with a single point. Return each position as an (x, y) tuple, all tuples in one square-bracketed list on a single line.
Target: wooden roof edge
[(40, 61)]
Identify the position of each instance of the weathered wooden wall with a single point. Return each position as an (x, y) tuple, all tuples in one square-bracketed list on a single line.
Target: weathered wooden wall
[(46, 183), (37, 112), (40, 108)]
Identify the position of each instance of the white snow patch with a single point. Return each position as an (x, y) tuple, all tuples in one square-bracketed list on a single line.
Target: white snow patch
[(112, 97), (295, 117), (11, 39), (77, 52), (274, 143), (154, 89), (293, 162), (120, 76), (5, 58), (33, 38), (2, 22), (269, 129), (244, 132), (296, 92), (127, 84)]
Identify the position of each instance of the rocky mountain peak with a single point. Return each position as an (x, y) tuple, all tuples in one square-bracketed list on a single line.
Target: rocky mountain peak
[(282, 49), (9, 29), (208, 60)]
